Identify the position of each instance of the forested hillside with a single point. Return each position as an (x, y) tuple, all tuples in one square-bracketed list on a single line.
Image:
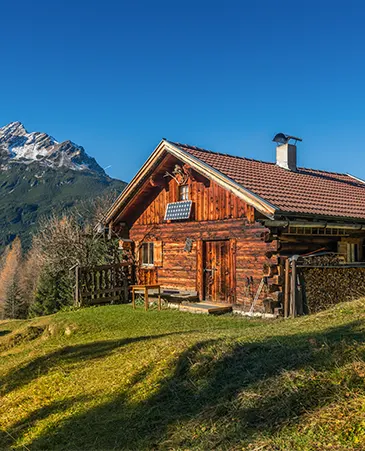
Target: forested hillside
[(40, 176), (28, 192)]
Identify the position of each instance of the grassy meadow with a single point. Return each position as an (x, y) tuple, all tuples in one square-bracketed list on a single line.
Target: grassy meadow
[(110, 378)]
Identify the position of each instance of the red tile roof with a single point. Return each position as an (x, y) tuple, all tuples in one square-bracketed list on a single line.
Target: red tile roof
[(306, 191)]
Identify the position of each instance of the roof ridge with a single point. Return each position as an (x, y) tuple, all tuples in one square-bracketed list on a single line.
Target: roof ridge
[(324, 171), (251, 159), (219, 153)]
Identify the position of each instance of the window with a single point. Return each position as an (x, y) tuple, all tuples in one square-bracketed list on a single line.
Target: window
[(147, 251), (352, 252), (183, 192)]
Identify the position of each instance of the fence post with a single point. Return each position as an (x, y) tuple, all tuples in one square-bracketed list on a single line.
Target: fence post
[(77, 290)]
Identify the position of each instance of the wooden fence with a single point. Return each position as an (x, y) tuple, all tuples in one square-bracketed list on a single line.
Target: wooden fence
[(103, 284)]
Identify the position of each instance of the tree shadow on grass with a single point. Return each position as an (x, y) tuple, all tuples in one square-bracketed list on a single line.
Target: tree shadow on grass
[(69, 355), (7, 439), (4, 332), (209, 384)]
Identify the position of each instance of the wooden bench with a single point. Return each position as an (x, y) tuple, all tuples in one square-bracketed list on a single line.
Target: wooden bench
[(144, 289), (171, 295)]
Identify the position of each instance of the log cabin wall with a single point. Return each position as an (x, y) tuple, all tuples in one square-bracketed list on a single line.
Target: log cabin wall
[(210, 203), (216, 215)]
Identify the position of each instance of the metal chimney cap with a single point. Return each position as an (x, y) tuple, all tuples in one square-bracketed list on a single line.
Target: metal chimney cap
[(281, 138)]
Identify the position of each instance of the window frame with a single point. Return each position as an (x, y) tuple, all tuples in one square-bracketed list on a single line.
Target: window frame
[(183, 193), (148, 251)]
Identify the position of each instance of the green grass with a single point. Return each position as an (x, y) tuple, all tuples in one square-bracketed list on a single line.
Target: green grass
[(113, 378)]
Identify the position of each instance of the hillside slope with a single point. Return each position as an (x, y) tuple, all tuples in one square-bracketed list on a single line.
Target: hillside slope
[(39, 176), (28, 192), (113, 378)]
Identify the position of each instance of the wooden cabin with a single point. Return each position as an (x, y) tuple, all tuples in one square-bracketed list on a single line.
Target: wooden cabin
[(223, 225)]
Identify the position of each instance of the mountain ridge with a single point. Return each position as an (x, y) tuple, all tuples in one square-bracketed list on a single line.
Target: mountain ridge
[(17, 145), (40, 176)]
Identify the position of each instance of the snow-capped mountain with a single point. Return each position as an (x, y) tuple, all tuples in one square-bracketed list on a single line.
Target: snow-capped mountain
[(19, 146), (40, 176)]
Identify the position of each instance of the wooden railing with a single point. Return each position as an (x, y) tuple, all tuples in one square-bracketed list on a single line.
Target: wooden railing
[(103, 284)]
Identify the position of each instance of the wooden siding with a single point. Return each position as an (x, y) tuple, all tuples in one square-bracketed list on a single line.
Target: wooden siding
[(210, 203), (181, 269), (217, 215)]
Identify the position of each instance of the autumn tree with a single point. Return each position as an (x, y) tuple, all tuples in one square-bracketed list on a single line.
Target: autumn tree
[(9, 277), (31, 269)]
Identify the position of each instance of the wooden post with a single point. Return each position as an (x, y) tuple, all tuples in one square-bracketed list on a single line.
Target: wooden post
[(146, 298), (293, 288), (287, 288), (199, 269), (125, 286), (77, 299), (159, 297), (133, 299), (299, 298)]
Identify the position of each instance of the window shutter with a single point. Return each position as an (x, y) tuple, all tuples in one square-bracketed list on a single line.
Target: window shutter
[(157, 253), (137, 252)]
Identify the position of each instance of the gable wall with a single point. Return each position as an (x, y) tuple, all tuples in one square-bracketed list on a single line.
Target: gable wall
[(217, 215), (210, 201)]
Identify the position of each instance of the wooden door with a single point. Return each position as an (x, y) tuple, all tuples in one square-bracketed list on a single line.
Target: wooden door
[(216, 274)]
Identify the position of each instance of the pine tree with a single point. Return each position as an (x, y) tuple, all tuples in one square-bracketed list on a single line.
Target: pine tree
[(54, 291), (14, 306)]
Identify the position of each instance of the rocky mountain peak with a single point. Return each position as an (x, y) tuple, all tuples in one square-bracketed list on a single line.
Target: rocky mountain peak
[(19, 146), (14, 128)]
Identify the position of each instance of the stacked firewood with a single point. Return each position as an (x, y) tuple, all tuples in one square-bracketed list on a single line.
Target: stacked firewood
[(326, 286), (322, 260)]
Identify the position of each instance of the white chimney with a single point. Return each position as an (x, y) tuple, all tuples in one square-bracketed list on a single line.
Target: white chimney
[(286, 156)]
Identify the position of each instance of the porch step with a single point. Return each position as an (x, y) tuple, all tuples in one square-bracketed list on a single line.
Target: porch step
[(205, 307)]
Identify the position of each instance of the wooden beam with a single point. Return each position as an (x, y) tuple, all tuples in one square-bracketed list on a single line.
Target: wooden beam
[(305, 239), (158, 181), (293, 288), (199, 269), (287, 288), (232, 269), (314, 224)]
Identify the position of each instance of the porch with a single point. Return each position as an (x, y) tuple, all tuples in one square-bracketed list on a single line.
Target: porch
[(183, 300)]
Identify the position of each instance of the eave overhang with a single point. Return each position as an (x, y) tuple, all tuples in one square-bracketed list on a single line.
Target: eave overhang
[(260, 204), (289, 216), (316, 224)]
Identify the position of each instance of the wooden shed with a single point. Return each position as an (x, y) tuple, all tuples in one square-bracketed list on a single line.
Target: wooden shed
[(223, 225)]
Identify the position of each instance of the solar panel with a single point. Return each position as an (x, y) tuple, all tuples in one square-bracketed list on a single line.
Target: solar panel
[(178, 210)]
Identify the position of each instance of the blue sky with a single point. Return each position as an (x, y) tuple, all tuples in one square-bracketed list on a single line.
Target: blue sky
[(117, 76)]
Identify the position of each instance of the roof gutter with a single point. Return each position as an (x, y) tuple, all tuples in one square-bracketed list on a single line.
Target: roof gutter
[(309, 217), (312, 225)]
